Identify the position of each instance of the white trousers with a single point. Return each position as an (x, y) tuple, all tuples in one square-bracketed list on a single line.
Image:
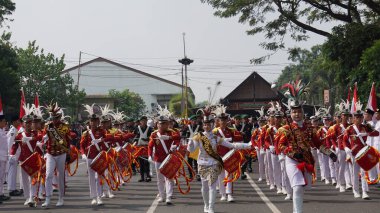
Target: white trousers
[(355, 177), (208, 193), (260, 159), (321, 164), (343, 174), (3, 168), (29, 189), (326, 167), (94, 181), (296, 177), (285, 178), (12, 174), (269, 167), (277, 175), (53, 162), (223, 190), (163, 183)]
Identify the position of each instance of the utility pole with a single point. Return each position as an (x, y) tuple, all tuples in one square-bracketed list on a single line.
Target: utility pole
[(185, 61), (79, 66)]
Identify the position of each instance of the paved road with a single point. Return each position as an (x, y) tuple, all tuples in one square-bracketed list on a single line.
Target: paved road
[(139, 197)]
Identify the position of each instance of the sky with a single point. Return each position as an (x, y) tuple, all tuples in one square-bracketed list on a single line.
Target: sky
[(147, 35)]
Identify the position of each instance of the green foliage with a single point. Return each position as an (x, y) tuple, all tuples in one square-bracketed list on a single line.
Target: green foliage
[(129, 102), (41, 73), (9, 81), (175, 105), (7, 7), (277, 18)]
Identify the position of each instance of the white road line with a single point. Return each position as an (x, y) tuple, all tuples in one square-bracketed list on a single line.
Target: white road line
[(154, 205), (262, 196)]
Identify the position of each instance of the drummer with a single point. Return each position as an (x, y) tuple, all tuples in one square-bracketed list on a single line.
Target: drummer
[(354, 140), (91, 144), (210, 164), (163, 141)]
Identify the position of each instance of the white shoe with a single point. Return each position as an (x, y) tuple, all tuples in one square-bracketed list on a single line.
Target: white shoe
[(223, 198), (103, 195), (169, 201), (271, 187), (365, 196), (110, 194), (46, 203), (279, 191), (348, 186), (337, 186), (342, 189), (94, 202), (356, 194), (260, 180), (27, 201), (205, 209), (230, 198), (333, 181), (60, 202), (288, 197), (327, 182), (99, 201), (268, 183), (160, 199), (211, 210), (284, 191)]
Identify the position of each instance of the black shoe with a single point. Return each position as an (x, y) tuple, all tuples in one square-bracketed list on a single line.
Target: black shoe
[(198, 178), (5, 182), (21, 192), (141, 180), (55, 190), (14, 193), (148, 179), (243, 177), (4, 198), (249, 170)]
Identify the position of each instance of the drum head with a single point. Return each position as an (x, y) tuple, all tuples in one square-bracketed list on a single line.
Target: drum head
[(166, 161), (228, 154)]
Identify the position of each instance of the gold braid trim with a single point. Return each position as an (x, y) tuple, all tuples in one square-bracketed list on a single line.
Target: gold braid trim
[(208, 147)]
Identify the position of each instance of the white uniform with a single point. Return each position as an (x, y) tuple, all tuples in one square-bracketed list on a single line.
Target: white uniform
[(3, 158), (13, 160)]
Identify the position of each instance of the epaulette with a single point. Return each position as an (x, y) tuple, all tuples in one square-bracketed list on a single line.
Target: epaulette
[(215, 130)]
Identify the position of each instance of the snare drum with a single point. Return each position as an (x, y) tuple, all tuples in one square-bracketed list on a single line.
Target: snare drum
[(170, 166), (367, 158), (73, 154), (100, 163), (141, 151), (231, 161), (122, 157), (32, 164)]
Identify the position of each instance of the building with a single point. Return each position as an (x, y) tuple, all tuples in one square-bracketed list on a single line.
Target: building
[(100, 75)]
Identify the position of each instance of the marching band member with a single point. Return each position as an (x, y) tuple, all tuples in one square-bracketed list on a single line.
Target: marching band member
[(91, 144), (13, 159), (162, 141), (225, 132), (57, 140), (143, 132), (256, 140), (3, 157), (354, 140), (27, 141), (245, 130), (368, 119), (269, 147), (294, 141), (210, 164)]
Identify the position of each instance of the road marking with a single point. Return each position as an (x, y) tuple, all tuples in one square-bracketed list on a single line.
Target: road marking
[(154, 205), (262, 196)]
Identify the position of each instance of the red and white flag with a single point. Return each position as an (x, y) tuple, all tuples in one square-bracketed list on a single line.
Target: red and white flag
[(354, 98), (22, 103), (1, 107), (371, 104), (36, 100)]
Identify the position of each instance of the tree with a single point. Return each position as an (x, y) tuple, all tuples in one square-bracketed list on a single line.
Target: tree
[(175, 104), (41, 73), (9, 80), (129, 102), (277, 18), (7, 7)]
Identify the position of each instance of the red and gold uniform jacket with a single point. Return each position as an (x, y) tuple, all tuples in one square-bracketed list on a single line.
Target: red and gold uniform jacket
[(59, 144), (26, 150), (271, 138), (261, 137), (255, 136), (322, 134), (89, 149), (160, 153), (335, 135), (352, 141), (227, 133), (300, 141)]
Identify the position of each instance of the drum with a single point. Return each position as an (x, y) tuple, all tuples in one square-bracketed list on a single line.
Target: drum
[(100, 163), (182, 150), (141, 151), (32, 164), (231, 161), (170, 166), (122, 157), (367, 158), (111, 153), (73, 154), (128, 147)]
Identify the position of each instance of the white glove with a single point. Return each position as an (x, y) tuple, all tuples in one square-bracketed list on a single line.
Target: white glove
[(84, 157), (257, 148), (164, 137), (12, 160), (150, 160), (26, 139), (336, 149), (262, 152), (281, 157), (348, 150), (173, 147), (95, 141), (362, 134), (271, 148), (45, 138), (228, 139)]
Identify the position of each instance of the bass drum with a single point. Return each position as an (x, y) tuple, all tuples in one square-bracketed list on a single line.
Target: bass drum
[(170, 166), (100, 163), (367, 158)]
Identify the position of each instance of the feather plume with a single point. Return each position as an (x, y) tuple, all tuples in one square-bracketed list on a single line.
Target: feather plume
[(118, 116), (89, 109), (106, 110), (261, 111), (28, 109), (358, 106), (38, 111), (163, 111), (219, 109)]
